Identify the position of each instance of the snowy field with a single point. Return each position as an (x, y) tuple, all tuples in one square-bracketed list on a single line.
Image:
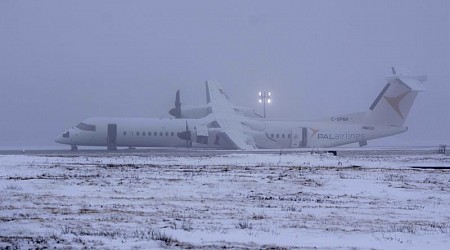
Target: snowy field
[(293, 200)]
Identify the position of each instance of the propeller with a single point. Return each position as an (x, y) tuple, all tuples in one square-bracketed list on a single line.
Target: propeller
[(186, 135), (176, 112)]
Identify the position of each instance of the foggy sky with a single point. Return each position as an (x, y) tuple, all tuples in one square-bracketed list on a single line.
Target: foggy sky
[(64, 61)]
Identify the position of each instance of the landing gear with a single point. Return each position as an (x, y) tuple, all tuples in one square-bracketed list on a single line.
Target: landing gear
[(73, 147)]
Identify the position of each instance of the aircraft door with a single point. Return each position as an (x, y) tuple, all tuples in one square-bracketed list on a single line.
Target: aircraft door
[(299, 137), (296, 137), (111, 139), (304, 137)]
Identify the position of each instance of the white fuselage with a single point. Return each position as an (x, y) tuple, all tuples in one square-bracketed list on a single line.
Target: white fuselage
[(270, 134), (318, 134), (131, 132)]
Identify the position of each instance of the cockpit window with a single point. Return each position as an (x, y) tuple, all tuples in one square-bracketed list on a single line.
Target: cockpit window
[(65, 135), (87, 127)]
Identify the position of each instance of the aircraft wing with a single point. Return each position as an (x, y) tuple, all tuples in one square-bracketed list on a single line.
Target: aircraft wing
[(227, 118)]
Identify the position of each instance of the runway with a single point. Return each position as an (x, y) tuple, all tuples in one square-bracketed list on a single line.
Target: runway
[(341, 151)]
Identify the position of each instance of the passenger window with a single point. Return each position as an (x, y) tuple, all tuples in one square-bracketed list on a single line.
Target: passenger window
[(155, 133), (271, 135), (167, 133), (278, 135), (137, 133), (282, 135), (143, 133), (172, 134), (289, 135), (160, 133), (124, 132)]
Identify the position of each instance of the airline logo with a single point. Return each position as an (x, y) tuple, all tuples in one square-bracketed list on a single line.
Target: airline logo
[(395, 102), (336, 136), (314, 132), (340, 136)]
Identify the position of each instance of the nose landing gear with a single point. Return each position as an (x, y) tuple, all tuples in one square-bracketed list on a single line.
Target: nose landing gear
[(73, 147)]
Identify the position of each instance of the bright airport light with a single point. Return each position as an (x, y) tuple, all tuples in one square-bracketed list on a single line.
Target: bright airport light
[(264, 97)]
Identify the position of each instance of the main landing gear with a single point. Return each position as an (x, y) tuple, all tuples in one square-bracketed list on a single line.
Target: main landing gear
[(73, 147)]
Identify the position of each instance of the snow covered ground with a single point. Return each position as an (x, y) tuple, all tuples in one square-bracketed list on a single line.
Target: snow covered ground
[(293, 200)]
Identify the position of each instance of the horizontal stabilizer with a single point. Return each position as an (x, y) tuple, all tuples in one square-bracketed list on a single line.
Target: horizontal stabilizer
[(415, 83)]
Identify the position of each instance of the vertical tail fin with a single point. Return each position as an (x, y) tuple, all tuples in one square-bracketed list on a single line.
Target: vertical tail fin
[(393, 104)]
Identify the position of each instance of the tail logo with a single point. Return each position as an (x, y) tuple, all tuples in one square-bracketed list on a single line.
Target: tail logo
[(395, 102)]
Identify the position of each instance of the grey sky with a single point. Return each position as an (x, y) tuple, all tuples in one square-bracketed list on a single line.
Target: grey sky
[(64, 61)]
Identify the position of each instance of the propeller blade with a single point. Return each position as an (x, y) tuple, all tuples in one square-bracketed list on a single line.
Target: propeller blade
[(176, 112), (177, 100), (188, 138), (186, 135)]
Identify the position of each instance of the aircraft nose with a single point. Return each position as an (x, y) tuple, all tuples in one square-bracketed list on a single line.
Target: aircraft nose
[(58, 139), (63, 138)]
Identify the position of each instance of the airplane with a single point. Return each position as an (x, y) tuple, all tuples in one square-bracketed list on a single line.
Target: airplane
[(220, 125)]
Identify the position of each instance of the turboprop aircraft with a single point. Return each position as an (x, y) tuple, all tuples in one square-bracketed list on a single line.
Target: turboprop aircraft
[(219, 124)]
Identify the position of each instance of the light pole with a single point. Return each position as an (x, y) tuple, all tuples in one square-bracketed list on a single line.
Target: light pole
[(263, 98)]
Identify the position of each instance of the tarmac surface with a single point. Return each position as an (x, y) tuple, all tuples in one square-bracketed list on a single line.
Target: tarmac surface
[(211, 152)]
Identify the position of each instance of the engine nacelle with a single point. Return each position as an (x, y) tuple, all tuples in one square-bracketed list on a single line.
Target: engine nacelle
[(191, 112), (195, 112), (200, 111)]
